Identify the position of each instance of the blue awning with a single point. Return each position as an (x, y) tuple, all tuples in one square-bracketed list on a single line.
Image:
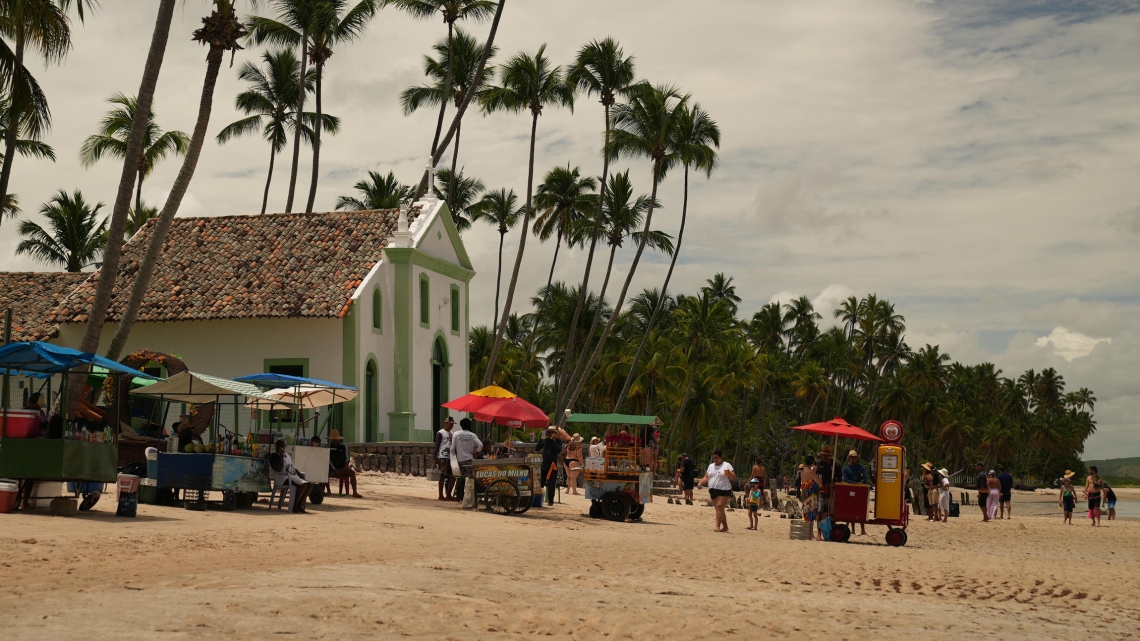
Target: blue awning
[(41, 360), (270, 380)]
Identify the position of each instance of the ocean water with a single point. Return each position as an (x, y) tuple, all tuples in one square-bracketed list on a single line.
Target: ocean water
[(1128, 509)]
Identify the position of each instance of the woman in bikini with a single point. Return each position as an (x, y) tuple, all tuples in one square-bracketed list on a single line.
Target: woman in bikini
[(573, 462), (809, 492)]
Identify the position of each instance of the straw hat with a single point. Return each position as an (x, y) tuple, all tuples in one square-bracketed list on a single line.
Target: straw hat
[(577, 438), (944, 472), (826, 449), (852, 453), (334, 435), (1070, 474), (928, 466), (800, 467), (593, 440)]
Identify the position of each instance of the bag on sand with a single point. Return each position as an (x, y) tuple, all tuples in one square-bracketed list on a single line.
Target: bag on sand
[(468, 494), (825, 528), (954, 510)]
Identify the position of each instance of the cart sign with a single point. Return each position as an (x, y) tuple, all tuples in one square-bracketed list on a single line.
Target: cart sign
[(891, 431)]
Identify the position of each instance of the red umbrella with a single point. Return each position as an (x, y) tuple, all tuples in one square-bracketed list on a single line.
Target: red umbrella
[(512, 412), (478, 399), (838, 427)]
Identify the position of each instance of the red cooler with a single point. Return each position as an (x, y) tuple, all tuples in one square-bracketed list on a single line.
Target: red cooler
[(21, 424), (850, 503)]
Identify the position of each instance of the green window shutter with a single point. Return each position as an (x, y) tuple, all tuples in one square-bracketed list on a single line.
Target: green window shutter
[(425, 301), (455, 309), (377, 311)]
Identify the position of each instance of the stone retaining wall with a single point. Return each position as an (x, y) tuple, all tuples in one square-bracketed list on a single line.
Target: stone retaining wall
[(414, 459)]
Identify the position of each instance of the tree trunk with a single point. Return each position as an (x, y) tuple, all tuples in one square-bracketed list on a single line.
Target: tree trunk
[(740, 432), (660, 301), (499, 275), (316, 144), (105, 286), (422, 188), (621, 299), (300, 120), (586, 349), (584, 290), (502, 329), (138, 194), (173, 201), (451, 182), (545, 298), (268, 178), (450, 79), (12, 135)]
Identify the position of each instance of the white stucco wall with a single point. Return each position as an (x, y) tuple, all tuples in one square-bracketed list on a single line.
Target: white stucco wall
[(376, 344), (423, 340)]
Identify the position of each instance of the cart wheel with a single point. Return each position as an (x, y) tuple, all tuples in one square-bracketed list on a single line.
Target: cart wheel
[(596, 510), (89, 501), (840, 533), (502, 497), (229, 501), (896, 537), (615, 506), (636, 511), (317, 496), (525, 503), (906, 537)]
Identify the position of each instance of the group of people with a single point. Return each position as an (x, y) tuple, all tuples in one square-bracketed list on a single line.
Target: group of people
[(285, 473), (995, 492), (1097, 492)]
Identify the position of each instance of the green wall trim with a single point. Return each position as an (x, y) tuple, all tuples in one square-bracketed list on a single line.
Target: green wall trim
[(371, 400), (401, 419), (348, 367), (466, 344), (424, 300), (401, 426), (455, 318), (456, 242)]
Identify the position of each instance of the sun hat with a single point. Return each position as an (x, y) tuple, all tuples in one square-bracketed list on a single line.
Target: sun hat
[(928, 466), (991, 473), (800, 467), (1070, 474), (944, 472), (334, 435), (826, 449), (852, 453), (593, 440), (577, 438)]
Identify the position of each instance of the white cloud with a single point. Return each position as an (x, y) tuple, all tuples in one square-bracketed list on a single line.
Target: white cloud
[(1068, 344)]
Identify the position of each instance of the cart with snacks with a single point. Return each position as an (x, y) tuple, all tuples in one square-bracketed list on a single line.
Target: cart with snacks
[(505, 485), (620, 482), (851, 503)]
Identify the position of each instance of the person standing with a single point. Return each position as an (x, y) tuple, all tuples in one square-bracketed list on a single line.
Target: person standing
[(754, 493), (809, 491), (688, 473), (441, 451), (1109, 500), (828, 471), (1067, 498), (1092, 493), (573, 463), (981, 483), (944, 493), (855, 474), (719, 477), (929, 492), (994, 497), (464, 445), (1006, 480), (550, 447)]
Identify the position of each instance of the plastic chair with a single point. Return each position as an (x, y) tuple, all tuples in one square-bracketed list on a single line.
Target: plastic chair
[(290, 490)]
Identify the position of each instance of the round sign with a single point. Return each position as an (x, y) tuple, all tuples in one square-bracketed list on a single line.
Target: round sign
[(891, 431)]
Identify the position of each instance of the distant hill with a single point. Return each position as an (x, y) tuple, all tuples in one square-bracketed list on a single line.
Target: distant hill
[(1119, 467)]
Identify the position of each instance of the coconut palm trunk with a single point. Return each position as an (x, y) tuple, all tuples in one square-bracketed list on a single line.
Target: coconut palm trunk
[(499, 274), (502, 329), (316, 141), (105, 286), (545, 300), (454, 161), (221, 32), (268, 178), (138, 192), (300, 110), (14, 106), (446, 89), (740, 431)]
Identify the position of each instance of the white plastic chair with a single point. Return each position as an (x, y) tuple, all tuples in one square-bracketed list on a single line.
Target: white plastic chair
[(290, 490)]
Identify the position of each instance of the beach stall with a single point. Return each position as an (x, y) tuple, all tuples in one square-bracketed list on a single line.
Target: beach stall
[(620, 482), (237, 467), (81, 451)]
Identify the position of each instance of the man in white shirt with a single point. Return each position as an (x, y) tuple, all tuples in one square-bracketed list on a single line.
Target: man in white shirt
[(464, 445), (443, 459)]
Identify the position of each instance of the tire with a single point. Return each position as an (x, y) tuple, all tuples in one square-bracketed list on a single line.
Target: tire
[(896, 537), (596, 510), (615, 507), (89, 501), (502, 497), (906, 537), (229, 501), (840, 533), (317, 496), (636, 511)]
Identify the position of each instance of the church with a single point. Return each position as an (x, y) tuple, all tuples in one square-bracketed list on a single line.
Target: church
[(373, 299)]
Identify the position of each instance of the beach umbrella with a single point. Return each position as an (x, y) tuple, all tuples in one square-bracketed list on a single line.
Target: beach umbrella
[(512, 412), (478, 399), (838, 427), (305, 396)]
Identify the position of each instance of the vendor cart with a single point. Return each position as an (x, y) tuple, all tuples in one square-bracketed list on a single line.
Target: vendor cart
[(505, 485), (238, 478), (620, 482)]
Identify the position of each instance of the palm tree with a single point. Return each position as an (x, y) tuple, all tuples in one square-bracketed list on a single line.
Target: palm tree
[(337, 22), (36, 25), (138, 218), (499, 208), (531, 83), (464, 54), (704, 327), (378, 192), (24, 147), (461, 194), (115, 129), (74, 237), (643, 127), (221, 32), (268, 103), (601, 69)]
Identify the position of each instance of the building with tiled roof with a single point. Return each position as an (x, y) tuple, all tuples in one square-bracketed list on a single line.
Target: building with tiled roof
[(343, 296), (33, 297)]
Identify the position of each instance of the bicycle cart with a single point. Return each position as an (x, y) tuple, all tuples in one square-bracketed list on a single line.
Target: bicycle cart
[(620, 482), (505, 485)]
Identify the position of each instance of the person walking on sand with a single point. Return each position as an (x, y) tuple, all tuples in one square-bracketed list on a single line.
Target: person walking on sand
[(1092, 493), (688, 474), (754, 493), (1067, 499), (719, 477), (944, 493), (1109, 500), (981, 483), (994, 498), (1006, 480)]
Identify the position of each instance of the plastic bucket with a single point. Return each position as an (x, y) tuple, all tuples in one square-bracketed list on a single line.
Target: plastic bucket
[(800, 530), (8, 494)]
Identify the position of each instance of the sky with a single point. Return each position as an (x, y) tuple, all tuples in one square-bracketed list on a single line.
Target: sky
[(972, 161)]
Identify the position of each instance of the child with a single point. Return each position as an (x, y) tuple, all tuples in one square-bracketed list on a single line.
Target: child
[(755, 491), (1067, 499)]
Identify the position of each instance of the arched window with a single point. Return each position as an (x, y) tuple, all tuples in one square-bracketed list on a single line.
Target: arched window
[(377, 311)]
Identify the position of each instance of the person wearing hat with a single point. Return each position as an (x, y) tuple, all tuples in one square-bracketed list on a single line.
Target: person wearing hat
[(855, 474), (340, 465), (573, 462), (441, 451), (828, 471), (1067, 498), (981, 483), (944, 493), (930, 492), (550, 446)]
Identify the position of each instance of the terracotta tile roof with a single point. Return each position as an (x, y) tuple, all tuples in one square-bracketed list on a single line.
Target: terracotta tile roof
[(269, 266), (33, 296)]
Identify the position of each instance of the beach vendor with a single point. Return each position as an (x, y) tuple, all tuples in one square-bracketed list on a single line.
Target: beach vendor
[(340, 466), (285, 473), (828, 471), (465, 444), (855, 474), (441, 452), (550, 446)]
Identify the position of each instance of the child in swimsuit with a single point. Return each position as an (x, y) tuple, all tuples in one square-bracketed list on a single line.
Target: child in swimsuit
[(755, 496)]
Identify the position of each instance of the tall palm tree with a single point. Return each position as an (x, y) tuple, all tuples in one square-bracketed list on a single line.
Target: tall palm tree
[(31, 25), (337, 22), (378, 192), (268, 103), (24, 147), (600, 69), (221, 32), (531, 83), (462, 195), (115, 129), (74, 237), (704, 327), (464, 54), (645, 127), (499, 208), (696, 136), (138, 218)]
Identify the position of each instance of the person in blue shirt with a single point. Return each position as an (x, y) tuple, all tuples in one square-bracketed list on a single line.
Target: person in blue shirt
[(1006, 480), (855, 473)]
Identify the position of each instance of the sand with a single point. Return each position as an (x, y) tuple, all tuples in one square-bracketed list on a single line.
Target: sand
[(399, 564)]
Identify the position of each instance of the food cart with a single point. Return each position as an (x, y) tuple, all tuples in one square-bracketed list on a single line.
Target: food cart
[(295, 392), (85, 457), (620, 482), (234, 466), (850, 502)]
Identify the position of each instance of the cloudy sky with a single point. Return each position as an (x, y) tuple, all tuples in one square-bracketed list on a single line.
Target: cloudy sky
[(974, 162)]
